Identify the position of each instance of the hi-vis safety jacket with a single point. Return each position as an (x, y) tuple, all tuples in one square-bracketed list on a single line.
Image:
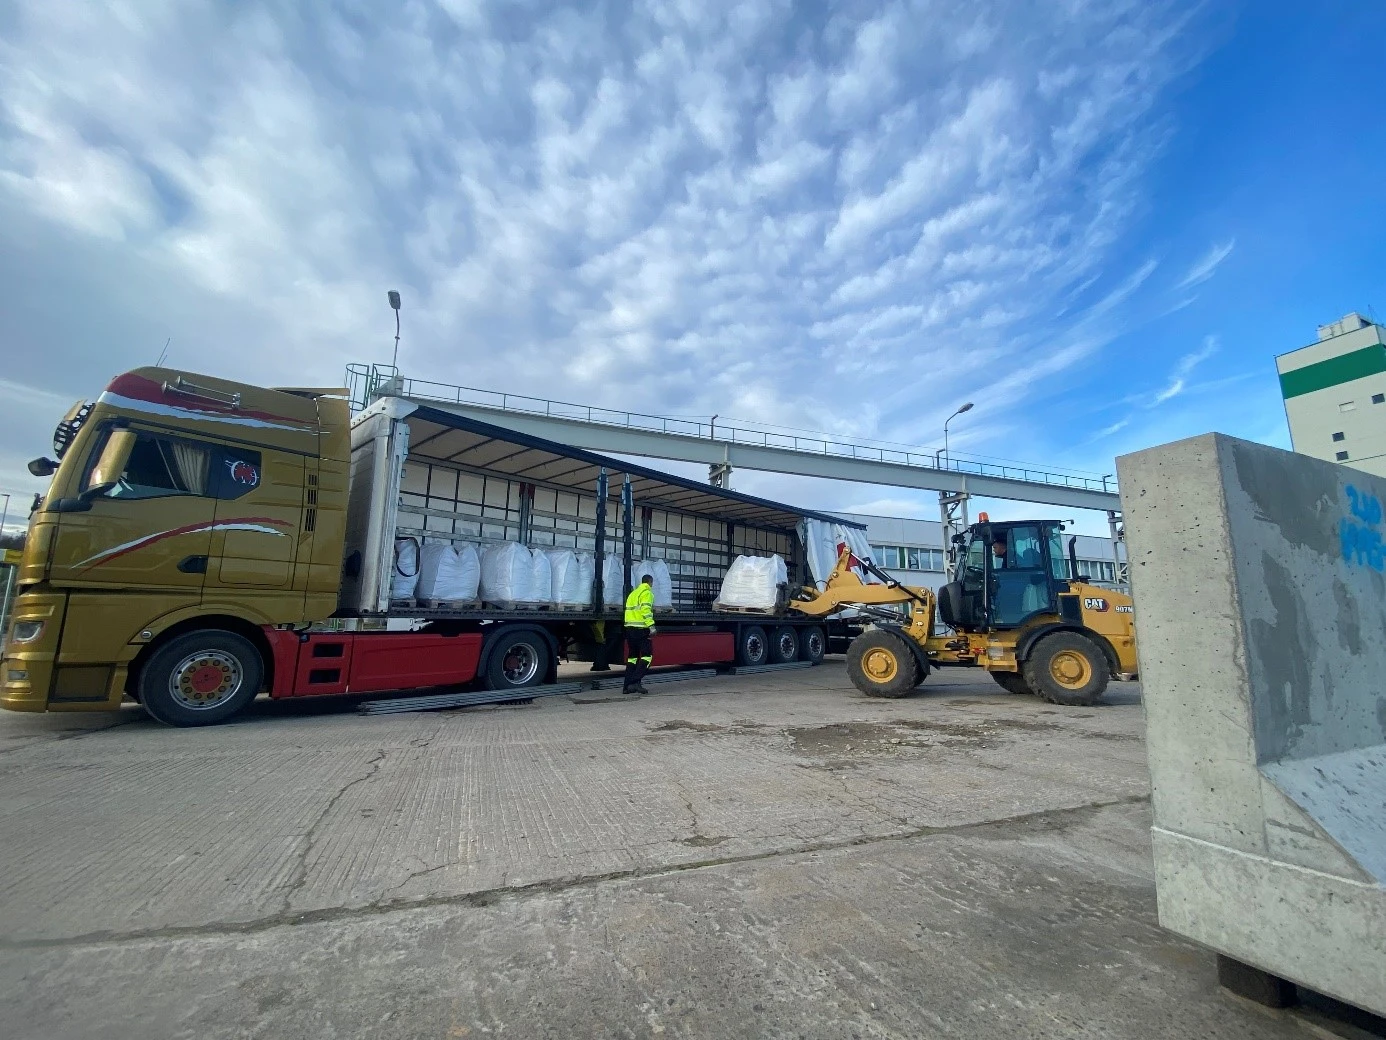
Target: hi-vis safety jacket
[(640, 607)]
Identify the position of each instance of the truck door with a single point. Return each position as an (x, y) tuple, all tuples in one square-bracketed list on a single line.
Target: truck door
[(143, 519), (260, 497)]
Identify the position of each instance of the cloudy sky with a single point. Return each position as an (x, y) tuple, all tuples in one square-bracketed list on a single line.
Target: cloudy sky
[(1097, 219)]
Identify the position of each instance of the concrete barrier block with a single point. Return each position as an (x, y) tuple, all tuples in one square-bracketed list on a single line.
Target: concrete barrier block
[(1260, 585)]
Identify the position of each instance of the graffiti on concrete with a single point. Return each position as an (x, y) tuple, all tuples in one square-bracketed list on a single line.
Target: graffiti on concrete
[(1360, 533)]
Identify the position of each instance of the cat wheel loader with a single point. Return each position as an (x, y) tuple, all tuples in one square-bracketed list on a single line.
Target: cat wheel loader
[(1019, 609)]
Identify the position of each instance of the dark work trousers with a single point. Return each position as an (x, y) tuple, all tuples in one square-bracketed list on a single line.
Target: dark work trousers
[(639, 653)]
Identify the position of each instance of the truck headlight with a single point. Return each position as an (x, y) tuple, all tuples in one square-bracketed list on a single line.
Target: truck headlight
[(25, 631)]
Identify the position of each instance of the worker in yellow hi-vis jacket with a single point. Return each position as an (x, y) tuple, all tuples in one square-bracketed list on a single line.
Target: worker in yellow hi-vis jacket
[(639, 630)]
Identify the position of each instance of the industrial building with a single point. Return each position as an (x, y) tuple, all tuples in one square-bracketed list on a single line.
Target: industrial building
[(1335, 394), (912, 550)]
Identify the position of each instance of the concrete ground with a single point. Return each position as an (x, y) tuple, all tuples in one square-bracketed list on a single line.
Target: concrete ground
[(764, 856)]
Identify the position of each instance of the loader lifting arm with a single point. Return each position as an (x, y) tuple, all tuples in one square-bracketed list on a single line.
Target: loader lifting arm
[(844, 588)]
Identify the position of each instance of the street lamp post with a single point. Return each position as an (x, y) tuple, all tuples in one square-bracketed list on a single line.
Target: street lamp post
[(965, 408), (5, 515), (952, 506)]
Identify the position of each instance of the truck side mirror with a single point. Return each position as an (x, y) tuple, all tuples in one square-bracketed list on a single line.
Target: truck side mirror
[(115, 456), (42, 467)]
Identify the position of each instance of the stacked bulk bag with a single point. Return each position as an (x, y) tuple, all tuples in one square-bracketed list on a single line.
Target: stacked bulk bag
[(753, 583), (663, 582), (508, 574), (404, 578), (447, 574), (566, 569), (541, 587), (613, 581), (587, 575)]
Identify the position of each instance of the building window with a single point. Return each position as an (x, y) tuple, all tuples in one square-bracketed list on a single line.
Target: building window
[(1378, 398), (1338, 436), (1342, 456), (907, 558), (1348, 406)]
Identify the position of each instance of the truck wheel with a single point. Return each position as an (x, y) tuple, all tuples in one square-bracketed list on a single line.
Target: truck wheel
[(200, 678), (784, 645), (881, 665), (517, 660), (1066, 668), (813, 644), (1012, 682), (752, 647)]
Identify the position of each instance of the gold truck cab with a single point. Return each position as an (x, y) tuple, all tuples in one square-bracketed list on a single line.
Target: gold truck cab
[(179, 504)]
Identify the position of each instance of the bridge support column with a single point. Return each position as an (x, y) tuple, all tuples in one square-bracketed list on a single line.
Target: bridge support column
[(952, 513)]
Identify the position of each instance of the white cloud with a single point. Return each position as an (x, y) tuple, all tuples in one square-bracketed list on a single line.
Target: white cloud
[(744, 208), (1207, 264), (1178, 380)]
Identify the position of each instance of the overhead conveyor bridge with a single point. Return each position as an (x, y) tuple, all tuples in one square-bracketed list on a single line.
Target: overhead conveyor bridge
[(730, 447)]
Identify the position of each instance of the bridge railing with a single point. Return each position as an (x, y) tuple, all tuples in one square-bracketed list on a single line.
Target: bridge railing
[(368, 382)]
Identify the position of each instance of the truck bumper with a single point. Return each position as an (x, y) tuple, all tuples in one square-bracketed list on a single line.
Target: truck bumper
[(26, 669)]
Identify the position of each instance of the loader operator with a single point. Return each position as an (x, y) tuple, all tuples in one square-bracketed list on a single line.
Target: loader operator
[(639, 629)]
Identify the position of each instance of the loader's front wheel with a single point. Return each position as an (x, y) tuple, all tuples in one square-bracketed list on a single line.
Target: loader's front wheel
[(881, 664)]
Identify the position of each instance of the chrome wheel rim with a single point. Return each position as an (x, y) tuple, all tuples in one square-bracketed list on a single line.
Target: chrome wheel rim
[(205, 679), (755, 648), (519, 664)]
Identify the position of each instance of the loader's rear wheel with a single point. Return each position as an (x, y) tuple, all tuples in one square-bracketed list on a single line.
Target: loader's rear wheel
[(880, 664), (1012, 682), (1066, 668)]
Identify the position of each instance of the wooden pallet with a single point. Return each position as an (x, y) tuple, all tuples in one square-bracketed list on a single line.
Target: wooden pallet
[(450, 604), (516, 604), (752, 611)]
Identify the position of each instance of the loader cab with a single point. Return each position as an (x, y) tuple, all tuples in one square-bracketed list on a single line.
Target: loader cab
[(1007, 573)]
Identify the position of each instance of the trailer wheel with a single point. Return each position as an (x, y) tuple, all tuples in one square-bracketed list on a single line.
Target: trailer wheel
[(200, 678), (1012, 682), (813, 644), (518, 660), (752, 648), (1066, 668), (881, 665), (784, 645)]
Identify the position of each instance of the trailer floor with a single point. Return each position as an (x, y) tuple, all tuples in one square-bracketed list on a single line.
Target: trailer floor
[(756, 856)]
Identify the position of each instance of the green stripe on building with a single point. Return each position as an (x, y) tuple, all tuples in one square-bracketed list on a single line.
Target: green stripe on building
[(1342, 369)]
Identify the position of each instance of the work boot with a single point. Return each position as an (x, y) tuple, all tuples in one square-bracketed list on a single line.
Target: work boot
[(641, 689)]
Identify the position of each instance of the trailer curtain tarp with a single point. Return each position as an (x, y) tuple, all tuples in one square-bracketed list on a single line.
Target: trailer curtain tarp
[(822, 545)]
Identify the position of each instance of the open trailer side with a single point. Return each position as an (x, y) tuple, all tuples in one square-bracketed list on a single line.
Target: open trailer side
[(421, 472)]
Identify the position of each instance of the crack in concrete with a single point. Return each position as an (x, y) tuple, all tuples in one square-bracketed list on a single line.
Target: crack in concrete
[(300, 871), (551, 886)]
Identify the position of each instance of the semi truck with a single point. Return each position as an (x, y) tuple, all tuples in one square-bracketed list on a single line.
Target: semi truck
[(203, 540)]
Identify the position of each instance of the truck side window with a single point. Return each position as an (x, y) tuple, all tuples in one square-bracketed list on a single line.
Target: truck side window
[(160, 467), (235, 471)]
